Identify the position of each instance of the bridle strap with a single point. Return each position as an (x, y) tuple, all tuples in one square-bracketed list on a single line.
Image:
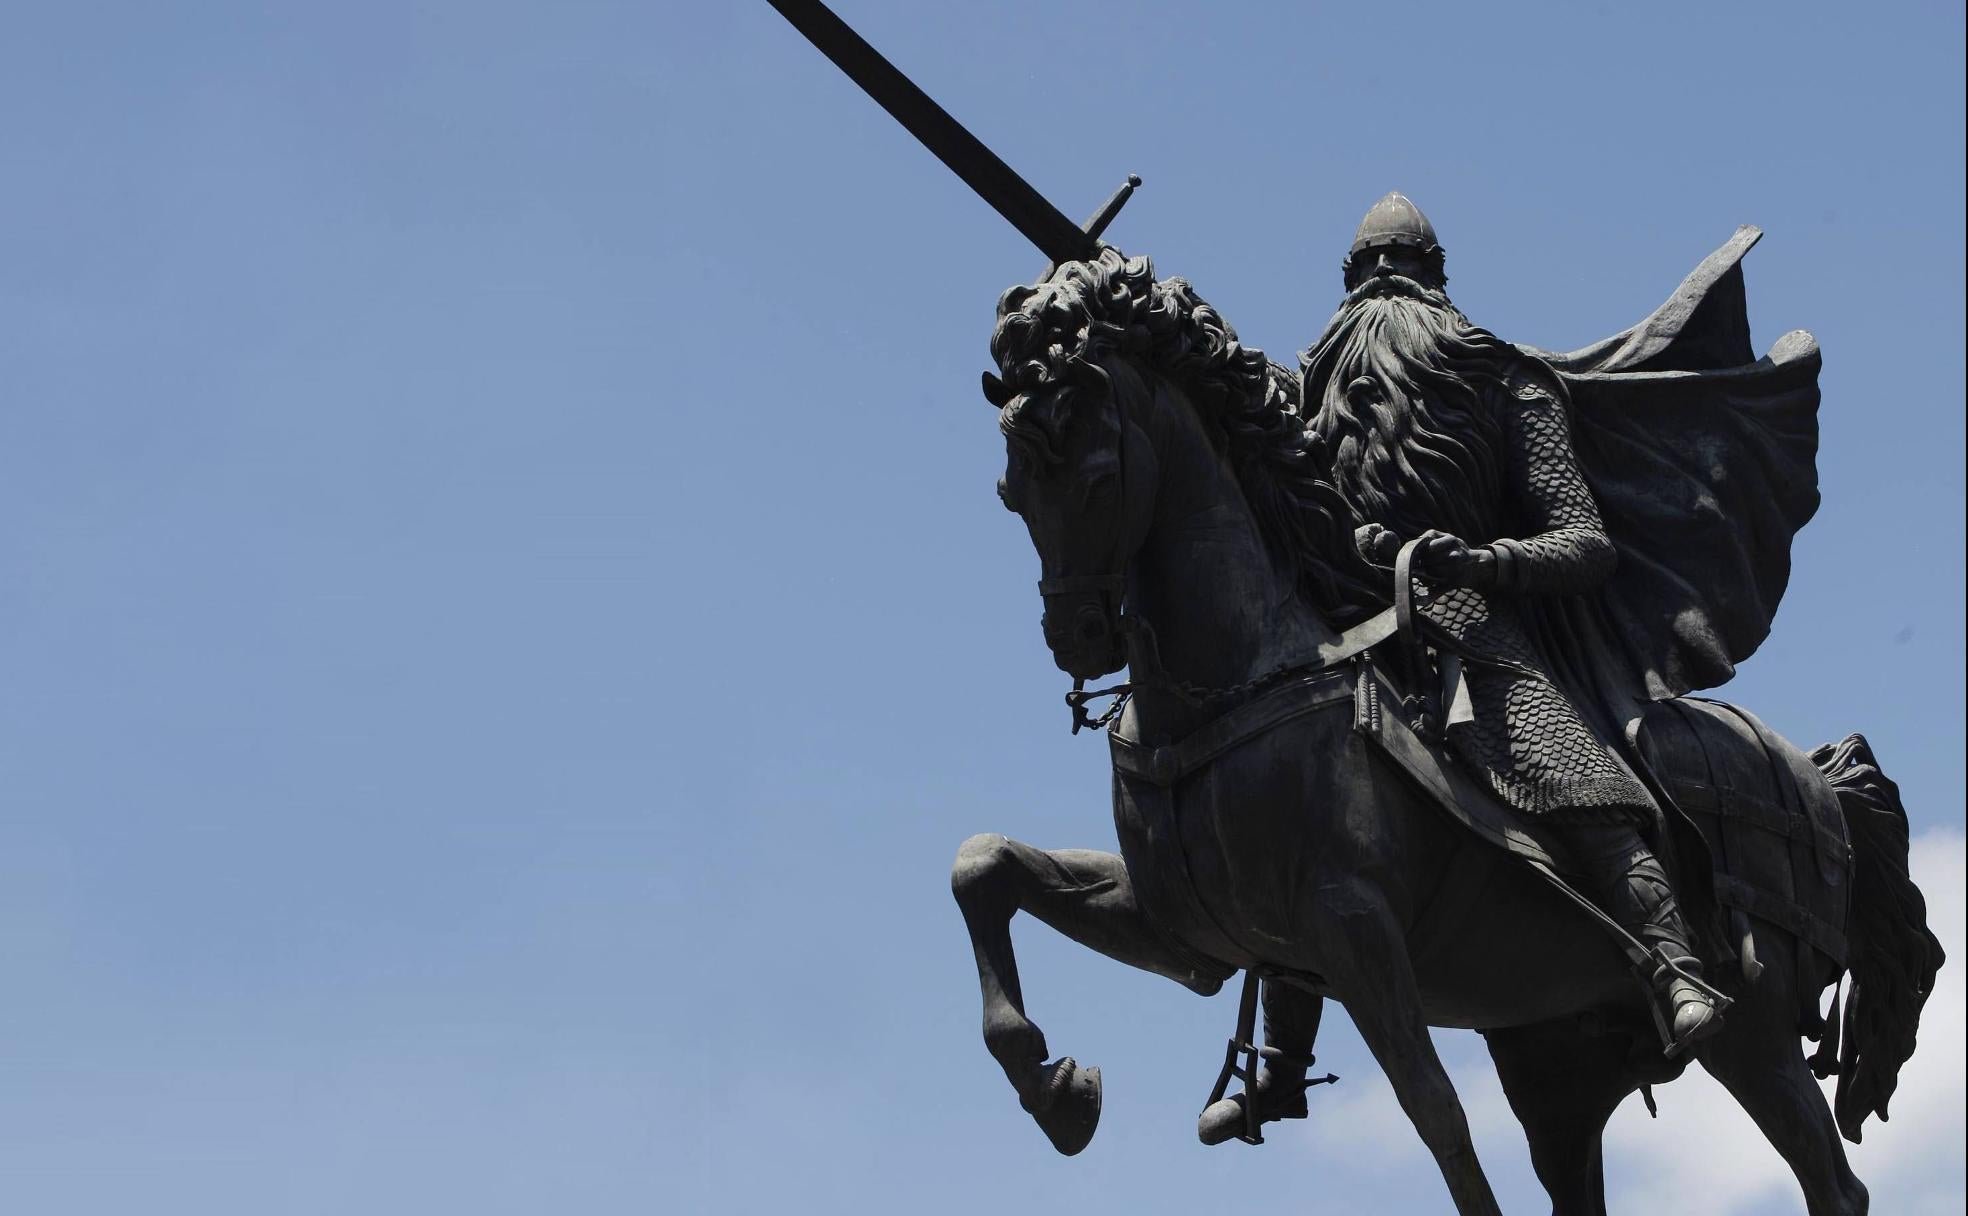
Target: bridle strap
[(1111, 587), (1105, 584), (1113, 582)]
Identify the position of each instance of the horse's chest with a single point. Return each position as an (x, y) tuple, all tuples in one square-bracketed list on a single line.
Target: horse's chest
[(1228, 855)]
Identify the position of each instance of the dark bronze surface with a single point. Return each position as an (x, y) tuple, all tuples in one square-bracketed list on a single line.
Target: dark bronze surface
[(1328, 844), (1497, 818)]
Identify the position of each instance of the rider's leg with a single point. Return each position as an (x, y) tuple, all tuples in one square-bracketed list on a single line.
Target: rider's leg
[(1291, 1025), (1633, 886)]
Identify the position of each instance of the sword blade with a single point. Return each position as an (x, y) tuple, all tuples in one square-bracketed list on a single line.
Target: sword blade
[(1059, 238)]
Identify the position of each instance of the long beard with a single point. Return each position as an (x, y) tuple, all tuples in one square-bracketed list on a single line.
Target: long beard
[(1402, 385)]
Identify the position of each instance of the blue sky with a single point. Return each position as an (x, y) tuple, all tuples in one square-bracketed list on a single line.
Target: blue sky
[(507, 621)]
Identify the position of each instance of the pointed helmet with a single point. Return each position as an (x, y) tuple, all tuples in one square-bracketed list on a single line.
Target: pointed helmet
[(1394, 220)]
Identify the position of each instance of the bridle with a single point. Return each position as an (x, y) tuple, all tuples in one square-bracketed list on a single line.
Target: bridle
[(1111, 584), (1143, 653)]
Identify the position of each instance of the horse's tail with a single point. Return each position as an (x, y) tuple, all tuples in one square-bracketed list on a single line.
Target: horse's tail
[(1894, 957)]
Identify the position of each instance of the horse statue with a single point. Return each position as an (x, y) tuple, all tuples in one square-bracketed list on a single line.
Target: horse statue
[(1278, 813)]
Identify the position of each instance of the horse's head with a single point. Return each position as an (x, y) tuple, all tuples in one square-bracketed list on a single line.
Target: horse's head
[(1090, 363), (1080, 471)]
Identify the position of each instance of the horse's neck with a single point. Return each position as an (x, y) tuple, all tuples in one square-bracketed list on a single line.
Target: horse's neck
[(1222, 609)]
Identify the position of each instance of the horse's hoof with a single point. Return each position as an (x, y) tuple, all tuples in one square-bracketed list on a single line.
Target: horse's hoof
[(1068, 1107)]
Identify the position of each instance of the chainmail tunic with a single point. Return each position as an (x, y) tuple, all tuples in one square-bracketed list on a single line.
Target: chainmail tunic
[(1527, 739)]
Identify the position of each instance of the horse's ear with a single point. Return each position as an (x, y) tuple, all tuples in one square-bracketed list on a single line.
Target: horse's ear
[(996, 391)]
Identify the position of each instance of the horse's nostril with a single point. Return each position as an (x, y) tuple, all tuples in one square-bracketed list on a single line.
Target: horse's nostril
[(1090, 630)]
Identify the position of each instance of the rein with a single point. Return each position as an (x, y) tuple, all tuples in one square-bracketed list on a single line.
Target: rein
[(1145, 661), (1416, 632)]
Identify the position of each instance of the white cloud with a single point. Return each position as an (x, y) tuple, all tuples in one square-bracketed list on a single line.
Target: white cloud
[(1360, 1123), (1706, 1156)]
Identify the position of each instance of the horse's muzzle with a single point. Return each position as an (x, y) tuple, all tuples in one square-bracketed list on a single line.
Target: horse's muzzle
[(1083, 635)]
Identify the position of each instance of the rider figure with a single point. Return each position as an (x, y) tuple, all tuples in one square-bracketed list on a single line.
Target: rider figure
[(1435, 429)]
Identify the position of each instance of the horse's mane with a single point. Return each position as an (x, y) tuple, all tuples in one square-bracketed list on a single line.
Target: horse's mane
[(1113, 304)]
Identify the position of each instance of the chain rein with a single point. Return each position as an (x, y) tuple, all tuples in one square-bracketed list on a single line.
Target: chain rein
[(1195, 696)]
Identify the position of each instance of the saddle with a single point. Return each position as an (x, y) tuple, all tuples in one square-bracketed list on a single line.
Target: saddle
[(1771, 821), (1382, 715), (1377, 714)]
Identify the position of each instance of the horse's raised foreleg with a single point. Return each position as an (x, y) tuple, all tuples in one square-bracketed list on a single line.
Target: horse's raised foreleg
[(1563, 1085), (1366, 964), (1085, 895)]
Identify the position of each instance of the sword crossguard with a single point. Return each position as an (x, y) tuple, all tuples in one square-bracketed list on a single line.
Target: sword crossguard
[(1101, 218), (1112, 207)]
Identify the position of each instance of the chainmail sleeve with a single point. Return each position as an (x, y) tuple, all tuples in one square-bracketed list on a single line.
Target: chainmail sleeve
[(1563, 548)]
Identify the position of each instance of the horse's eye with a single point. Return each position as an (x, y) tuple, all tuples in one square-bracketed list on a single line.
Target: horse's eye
[(1100, 485)]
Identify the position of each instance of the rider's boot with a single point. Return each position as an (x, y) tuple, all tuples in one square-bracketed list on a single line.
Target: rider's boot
[(1291, 1025), (1637, 892)]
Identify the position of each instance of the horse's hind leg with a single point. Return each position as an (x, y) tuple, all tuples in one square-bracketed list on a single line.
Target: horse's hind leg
[(1563, 1085), (1366, 964), (1758, 1059), (1085, 895)]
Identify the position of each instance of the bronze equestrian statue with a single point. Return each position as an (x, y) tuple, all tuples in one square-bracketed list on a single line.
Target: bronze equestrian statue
[(1409, 636), (1400, 807)]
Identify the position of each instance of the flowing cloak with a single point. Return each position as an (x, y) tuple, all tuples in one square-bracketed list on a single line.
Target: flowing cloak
[(1703, 460)]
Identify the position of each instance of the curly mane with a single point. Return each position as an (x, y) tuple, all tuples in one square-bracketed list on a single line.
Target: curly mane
[(1114, 305)]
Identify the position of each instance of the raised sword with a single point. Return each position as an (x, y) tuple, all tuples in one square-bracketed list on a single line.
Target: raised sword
[(982, 170)]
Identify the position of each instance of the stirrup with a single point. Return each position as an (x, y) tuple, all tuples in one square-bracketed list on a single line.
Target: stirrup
[(1229, 1118), (1244, 1043)]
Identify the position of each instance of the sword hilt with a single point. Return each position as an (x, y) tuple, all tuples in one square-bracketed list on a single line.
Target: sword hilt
[(1112, 207), (1101, 218)]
